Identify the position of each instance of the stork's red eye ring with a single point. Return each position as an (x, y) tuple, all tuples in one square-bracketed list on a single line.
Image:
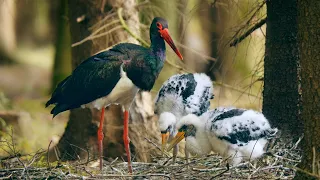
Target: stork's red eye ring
[(159, 26)]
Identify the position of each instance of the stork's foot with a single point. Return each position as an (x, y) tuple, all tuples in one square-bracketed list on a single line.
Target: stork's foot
[(126, 139)]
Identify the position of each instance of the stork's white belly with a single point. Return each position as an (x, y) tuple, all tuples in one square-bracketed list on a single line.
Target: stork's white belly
[(123, 93)]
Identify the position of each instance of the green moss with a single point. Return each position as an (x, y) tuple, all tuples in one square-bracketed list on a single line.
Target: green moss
[(5, 103), (32, 105)]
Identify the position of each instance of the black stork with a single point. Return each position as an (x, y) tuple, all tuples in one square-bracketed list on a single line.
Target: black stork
[(114, 77)]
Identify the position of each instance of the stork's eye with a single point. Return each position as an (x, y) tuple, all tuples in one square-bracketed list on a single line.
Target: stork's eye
[(159, 25)]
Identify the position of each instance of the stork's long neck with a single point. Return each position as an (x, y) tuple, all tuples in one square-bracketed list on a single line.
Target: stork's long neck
[(199, 143), (158, 47)]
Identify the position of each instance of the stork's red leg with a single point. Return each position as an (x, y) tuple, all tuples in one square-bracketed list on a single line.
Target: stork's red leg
[(126, 138), (100, 137)]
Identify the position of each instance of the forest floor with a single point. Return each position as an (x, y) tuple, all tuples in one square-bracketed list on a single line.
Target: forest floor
[(280, 163)]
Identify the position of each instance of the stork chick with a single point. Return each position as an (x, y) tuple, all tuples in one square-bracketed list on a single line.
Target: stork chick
[(235, 134), (180, 95)]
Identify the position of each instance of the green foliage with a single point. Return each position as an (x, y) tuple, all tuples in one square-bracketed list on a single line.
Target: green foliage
[(4, 102)]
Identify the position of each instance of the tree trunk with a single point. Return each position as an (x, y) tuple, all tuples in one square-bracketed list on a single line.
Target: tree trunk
[(62, 61), (80, 128), (281, 67), (81, 131), (7, 31), (309, 38)]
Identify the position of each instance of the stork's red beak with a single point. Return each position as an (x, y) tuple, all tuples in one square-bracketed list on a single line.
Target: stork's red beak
[(176, 140), (166, 36)]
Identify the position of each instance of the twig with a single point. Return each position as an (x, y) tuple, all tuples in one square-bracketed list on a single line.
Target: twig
[(34, 157), (248, 32), (140, 175), (11, 157), (15, 152), (249, 20), (156, 146), (284, 158), (235, 89), (313, 160), (297, 143), (84, 168), (48, 154), (113, 162), (167, 161), (125, 27), (96, 36), (7, 177), (196, 52), (219, 174), (103, 20), (303, 171)]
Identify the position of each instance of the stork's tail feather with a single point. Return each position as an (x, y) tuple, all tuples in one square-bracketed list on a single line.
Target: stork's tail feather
[(49, 102), (59, 108)]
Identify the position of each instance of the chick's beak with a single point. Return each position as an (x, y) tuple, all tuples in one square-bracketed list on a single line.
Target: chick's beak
[(176, 140), (166, 36), (165, 137)]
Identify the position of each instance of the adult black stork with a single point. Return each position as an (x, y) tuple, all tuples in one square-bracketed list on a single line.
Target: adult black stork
[(114, 77)]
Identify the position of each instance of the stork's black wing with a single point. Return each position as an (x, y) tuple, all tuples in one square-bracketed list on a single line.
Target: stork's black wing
[(92, 79)]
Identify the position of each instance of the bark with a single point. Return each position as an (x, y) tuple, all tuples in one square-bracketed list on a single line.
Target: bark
[(281, 67), (309, 37), (62, 61), (81, 131)]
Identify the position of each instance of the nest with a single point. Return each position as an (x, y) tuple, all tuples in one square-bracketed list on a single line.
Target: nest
[(278, 163)]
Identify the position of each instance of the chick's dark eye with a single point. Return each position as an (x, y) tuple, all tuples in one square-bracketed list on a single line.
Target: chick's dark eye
[(183, 128)]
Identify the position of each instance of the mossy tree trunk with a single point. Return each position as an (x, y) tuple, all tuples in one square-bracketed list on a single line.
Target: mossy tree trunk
[(62, 61), (309, 38), (81, 131), (281, 67)]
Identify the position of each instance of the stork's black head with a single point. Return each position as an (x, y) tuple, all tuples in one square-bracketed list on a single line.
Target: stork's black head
[(159, 29), (157, 24)]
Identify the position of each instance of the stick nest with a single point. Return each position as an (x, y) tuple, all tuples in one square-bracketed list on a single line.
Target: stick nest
[(279, 163)]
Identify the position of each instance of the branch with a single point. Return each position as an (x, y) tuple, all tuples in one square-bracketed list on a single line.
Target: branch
[(125, 27), (235, 89), (249, 31), (196, 52)]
